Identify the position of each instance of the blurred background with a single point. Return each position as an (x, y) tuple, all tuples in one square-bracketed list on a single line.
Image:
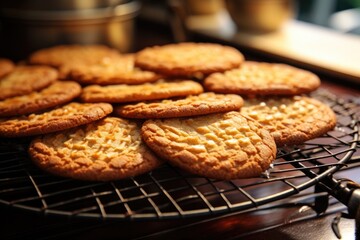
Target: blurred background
[(27, 25), (320, 35), (340, 15)]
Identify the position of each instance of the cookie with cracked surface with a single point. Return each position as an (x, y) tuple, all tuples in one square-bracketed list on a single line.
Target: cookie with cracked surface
[(6, 66), (189, 58), (68, 116), (205, 103), (260, 78), (58, 93), (26, 79), (108, 149), (291, 120), (144, 92), (109, 71), (60, 55), (221, 145)]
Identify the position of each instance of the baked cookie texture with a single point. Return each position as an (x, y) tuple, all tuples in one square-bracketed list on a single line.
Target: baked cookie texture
[(134, 93), (68, 116), (6, 66), (215, 134), (189, 58), (291, 120), (64, 54), (194, 105), (26, 79), (60, 92), (221, 146), (260, 78), (67, 55), (109, 71), (108, 149)]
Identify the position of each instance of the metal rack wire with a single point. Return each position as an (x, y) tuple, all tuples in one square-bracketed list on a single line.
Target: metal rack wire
[(168, 192)]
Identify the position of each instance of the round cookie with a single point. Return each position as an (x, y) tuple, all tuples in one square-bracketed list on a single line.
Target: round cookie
[(291, 121), (68, 116), (6, 66), (221, 145), (259, 78), (58, 93), (64, 54), (26, 79), (61, 55), (109, 71), (202, 104), (188, 59), (144, 92), (108, 149)]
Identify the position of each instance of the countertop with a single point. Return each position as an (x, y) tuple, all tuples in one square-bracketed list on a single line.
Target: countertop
[(316, 47)]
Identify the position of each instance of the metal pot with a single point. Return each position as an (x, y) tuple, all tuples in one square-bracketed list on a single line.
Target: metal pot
[(260, 15), (24, 29), (59, 5)]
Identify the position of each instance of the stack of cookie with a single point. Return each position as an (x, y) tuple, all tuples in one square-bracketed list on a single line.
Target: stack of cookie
[(97, 114)]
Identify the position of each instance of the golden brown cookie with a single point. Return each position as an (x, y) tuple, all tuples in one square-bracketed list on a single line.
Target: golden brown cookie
[(135, 93), (6, 66), (68, 116), (258, 78), (26, 79), (108, 149), (221, 145), (61, 55), (202, 104), (188, 59), (58, 93), (110, 71), (291, 120)]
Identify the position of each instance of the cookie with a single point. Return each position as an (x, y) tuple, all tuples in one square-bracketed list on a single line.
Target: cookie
[(221, 145), (109, 71), (293, 120), (60, 92), (68, 116), (135, 93), (61, 55), (188, 59), (6, 66), (202, 104), (26, 79), (64, 54), (108, 149), (259, 78)]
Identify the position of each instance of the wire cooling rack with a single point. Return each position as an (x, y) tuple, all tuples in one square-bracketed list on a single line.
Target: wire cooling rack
[(168, 192)]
